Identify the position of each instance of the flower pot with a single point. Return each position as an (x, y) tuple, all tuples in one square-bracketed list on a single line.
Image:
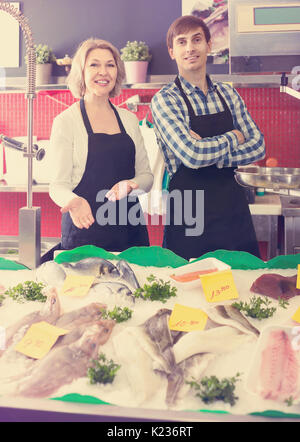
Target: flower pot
[(43, 73), (136, 71)]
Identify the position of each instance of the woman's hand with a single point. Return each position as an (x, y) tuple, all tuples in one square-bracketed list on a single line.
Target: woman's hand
[(80, 212), (120, 190)]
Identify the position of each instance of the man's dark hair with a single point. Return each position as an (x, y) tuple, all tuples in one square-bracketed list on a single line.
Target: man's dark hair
[(184, 24)]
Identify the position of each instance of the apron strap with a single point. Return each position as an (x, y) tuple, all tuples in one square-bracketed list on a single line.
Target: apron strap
[(187, 101), (122, 128), (87, 121), (223, 101), (85, 118)]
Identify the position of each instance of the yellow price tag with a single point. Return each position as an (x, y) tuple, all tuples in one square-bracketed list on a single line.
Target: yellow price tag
[(39, 339), (187, 319), (219, 286), (296, 316), (298, 277), (77, 285)]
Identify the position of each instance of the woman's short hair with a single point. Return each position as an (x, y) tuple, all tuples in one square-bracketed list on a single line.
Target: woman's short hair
[(75, 79), (184, 24)]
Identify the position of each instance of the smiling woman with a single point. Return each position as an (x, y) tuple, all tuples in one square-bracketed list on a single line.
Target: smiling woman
[(98, 148), (75, 79)]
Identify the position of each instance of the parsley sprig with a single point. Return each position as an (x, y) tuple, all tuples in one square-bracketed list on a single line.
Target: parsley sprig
[(211, 389), (29, 291), (119, 314), (157, 290), (258, 307), (103, 370)]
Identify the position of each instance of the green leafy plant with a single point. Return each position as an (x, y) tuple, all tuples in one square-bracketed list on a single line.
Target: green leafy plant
[(211, 389), (29, 291), (158, 290), (119, 314), (257, 307), (135, 51), (44, 54), (103, 371)]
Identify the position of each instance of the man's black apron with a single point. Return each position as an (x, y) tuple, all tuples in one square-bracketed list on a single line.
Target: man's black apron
[(110, 159), (227, 219)]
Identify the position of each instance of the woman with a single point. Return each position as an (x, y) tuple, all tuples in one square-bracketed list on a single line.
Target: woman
[(100, 157)]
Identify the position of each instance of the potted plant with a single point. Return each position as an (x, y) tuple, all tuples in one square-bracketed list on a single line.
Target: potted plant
[(136, 58), (44, 59)]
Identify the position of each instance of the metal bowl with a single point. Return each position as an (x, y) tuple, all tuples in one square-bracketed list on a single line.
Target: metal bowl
[(268, 177)]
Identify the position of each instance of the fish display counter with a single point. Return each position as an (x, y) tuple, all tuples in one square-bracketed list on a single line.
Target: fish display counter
[(147, 336)]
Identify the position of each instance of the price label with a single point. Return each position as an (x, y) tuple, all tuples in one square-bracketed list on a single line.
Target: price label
[(39, 339), (296, 316), (77, 285), (184, 318), (219, 286), (298, 277)]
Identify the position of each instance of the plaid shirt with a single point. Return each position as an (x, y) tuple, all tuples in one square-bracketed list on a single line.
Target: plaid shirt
[(172, 128)]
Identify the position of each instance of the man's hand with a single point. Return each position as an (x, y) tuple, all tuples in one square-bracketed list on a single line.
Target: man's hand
[(120, 190), (80, 212), (240, 136), (195, 135)]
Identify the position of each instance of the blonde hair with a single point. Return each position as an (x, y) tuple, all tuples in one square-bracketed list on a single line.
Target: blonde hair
[(75, 79)]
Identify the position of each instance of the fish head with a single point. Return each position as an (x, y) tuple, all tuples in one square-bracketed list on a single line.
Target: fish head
[(94, 336), (52, 306)]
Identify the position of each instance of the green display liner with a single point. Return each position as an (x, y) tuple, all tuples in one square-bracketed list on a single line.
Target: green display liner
[(159, 257)]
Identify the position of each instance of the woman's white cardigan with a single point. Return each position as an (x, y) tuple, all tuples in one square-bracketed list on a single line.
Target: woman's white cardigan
[(69, 147)]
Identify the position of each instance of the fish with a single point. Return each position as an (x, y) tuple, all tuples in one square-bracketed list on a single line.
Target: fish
[(217, 340), (190, 368), (93, 266), (51, 274), (87, 314), (279, 368), (49, 313), (276, 286), (157, 328), (229, 315), (118, 290), (65, 364), (137, 356), (127, 274)]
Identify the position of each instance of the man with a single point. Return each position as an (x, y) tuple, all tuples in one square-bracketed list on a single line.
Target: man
[(204, 131)]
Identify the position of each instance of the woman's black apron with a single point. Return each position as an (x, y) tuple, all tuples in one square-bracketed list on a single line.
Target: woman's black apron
[(227, 219), (110, 159)]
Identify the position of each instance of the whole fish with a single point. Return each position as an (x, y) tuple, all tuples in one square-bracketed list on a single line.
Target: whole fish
[(92, 266), (63, 365), (127, 274), (49, 313), (51, 274), (116, 288)]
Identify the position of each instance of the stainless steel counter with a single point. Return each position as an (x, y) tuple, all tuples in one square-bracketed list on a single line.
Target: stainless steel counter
[(17, 84)]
